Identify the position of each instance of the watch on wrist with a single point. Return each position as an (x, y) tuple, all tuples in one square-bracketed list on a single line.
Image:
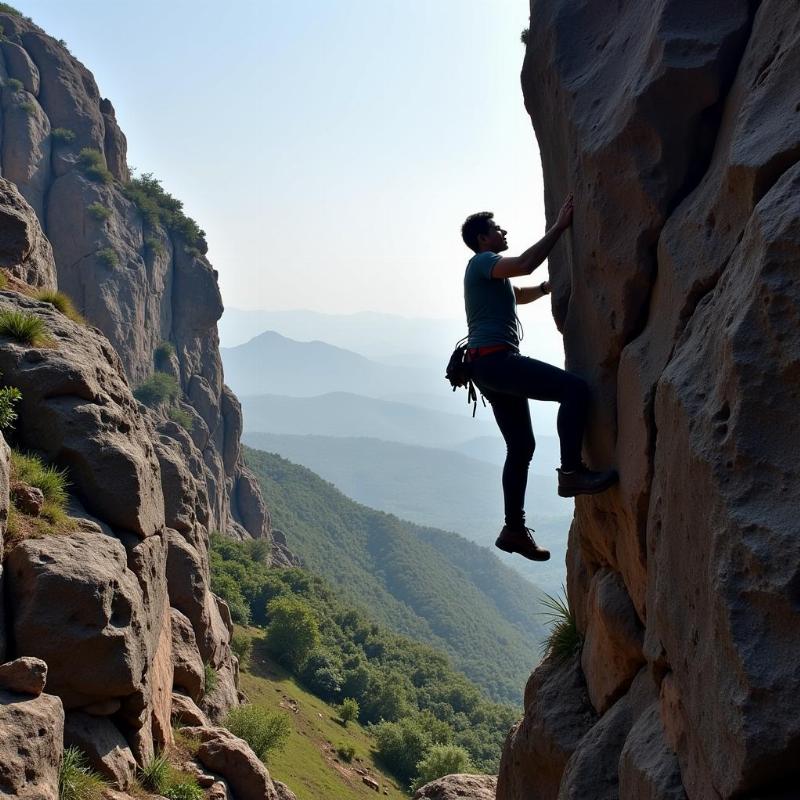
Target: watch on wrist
[(543, 288)]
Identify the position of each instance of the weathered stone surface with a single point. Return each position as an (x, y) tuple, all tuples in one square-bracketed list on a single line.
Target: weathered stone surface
[(218, 702), (31, 745), (5, 482), (78, 607), (185, 712), (557, 716), (283, 791), (186, 660), (648, 768), (677, 126), (612, 651), (20, 66), (221, 752), (458, 787), (27, 499), (24, 676), (104, 746)]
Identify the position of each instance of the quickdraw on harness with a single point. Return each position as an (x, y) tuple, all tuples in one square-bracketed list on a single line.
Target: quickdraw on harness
[(459, 374)]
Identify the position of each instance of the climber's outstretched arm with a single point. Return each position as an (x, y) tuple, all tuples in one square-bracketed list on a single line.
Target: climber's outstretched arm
[(527, 294), (515, 266)]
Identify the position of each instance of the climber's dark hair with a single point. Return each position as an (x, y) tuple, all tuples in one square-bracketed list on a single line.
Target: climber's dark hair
[(474, 226)]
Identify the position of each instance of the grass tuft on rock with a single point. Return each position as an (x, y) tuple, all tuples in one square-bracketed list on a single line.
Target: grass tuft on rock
[(108, 256), (210, 678), (182, 418), (27, 106), (9, 397), (76, 781), (23, 327), (98, 211), (158, 389), (564, 639), (182, 786), (93, 164), (52, 481), (65, 135), (265, 731), (62, 303), (155, 774)]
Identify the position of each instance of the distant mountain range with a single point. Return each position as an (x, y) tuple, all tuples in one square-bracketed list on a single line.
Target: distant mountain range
[(432, 585), (435, 487)]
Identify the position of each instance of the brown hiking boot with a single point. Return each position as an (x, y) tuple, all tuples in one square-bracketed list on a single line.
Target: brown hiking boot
[(585, 481), (519, 540)]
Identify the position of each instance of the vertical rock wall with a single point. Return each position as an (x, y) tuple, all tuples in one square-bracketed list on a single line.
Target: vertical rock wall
[(677, 125), (141, 283)]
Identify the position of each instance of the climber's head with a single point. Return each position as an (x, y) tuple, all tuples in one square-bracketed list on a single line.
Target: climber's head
[(481, 233)]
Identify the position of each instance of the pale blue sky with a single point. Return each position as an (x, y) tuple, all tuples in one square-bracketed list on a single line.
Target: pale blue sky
[(330, 148)]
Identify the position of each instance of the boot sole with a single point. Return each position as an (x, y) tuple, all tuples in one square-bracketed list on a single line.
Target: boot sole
[(508, 549), (564, 492)]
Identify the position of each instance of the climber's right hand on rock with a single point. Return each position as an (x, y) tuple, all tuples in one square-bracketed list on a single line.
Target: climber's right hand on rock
[(564, 218)]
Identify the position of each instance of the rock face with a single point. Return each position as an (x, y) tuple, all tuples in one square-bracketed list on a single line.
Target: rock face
[(148, 287), (676, 124), (459, 787)]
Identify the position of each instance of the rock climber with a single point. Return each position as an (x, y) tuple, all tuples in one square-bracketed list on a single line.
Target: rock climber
[(508, 379)]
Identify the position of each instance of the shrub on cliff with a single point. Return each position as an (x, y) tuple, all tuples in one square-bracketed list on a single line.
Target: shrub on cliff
[(265, 731), (108, 256), (64, 135), (98, 211), (93, 164), (76, 781), (62, 303), (159, 207), (23, 327), (441, 760), (158, 389), (9, 397), (182, 418)]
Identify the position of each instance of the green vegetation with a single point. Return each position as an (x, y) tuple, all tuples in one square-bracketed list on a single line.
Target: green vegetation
[(348, 710), (27, 106), (98, 211), (155, 774), (181, 417), (564, 638), (347, 655), (242, 646), (3, 280), (159, 207), (153, 246), (163, 353), (62, 302), (183, 787), (52, 481), (9, 397), (158, 389), (93, 164), (65, 135), (265, 731), (210, 678), (5, 8), (13, 84), (346, 752), (427, 584), (108, 256), (189, 743), (75, 780), (441, 760), (23, 327)]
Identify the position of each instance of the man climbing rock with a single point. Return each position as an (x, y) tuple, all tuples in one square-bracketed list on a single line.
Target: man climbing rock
[(507, 379)]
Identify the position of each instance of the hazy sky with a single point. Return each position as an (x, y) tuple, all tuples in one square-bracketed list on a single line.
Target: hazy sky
[(329, 148)]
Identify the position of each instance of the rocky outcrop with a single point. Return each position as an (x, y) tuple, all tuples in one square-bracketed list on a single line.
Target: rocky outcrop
[(142, 279), (459, 787), (676, 124)]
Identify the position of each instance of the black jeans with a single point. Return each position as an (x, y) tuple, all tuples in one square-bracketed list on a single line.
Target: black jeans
[(507, 379)]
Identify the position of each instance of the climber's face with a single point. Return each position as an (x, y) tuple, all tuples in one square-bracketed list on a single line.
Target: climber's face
[(495, 239)]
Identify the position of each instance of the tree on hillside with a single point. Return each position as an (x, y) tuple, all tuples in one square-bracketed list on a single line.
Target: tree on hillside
[(292, 632)]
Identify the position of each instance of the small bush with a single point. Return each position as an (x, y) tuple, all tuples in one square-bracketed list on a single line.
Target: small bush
[(23, 327), (348, 710), (13, 84), (265, 731), (65, 135), (346, 752), (108, 256), (93, 164), (98, 211), (210, 678), (153, 246), (158, 389), (163, 352), (75, 780), (27, 106), (182, 786), (9, 396), (155, 774), (182, 418), (52, 481), (564, 639), (62, 303), (242, 646), (441, 760), (259, 551)]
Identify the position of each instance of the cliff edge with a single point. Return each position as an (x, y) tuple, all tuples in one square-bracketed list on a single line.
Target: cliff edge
[(677, 125)]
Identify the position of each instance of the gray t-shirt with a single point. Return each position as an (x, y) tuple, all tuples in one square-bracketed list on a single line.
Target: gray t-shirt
[(490, 304)]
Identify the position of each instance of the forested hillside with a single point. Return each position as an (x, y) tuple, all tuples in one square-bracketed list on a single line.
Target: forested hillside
[(430, 585)]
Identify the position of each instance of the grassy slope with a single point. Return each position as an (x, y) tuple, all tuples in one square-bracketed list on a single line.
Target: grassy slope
[(432, 586), (308, 765)]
